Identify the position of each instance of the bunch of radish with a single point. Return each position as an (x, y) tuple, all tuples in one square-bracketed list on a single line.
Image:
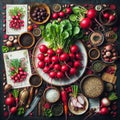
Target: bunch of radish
[(87, 22), (59, 64), (109, 17), (10, 101), (62, 14), (18, 76), (16, 22)]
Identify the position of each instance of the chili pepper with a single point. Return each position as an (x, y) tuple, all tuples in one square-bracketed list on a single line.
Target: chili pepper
[(64, 100)]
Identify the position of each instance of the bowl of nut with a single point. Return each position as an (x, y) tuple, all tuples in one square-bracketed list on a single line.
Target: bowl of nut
[(109, 53), (39, 13)]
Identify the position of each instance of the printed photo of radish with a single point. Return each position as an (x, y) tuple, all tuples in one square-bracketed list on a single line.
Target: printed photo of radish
[(16, 19), (17, 66), (59, 67)]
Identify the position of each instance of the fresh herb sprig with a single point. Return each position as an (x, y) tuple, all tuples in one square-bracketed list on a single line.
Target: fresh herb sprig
[(75, 90)]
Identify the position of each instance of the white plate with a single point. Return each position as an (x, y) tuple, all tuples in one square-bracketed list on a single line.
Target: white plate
[(9, 30), (64, 81), (21, 54)]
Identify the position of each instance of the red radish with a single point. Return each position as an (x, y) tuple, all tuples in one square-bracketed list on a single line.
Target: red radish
[(104, 111), (55, 15), (59, 51), (70, 63), (55, 59), (68, 10), (50, 52), (41, 56), (21, 72), (85, 23), (6, 113), (12, 68), (111, 18), (73, 71), (57, 67), (10, 100), (91, 13), (41, 64), (64, 57), (106, 15), (105, 102), (77, 64), (60, 75), (64, 68), (78, 56), (20, 69), (74, 49), (46, 69), (5, 36), (72, 56), (52, 74), (47, 60), (13, 110), (43, 48), (61, 14)]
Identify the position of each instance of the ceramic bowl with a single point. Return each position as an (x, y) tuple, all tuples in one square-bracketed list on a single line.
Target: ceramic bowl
[(51, 94)]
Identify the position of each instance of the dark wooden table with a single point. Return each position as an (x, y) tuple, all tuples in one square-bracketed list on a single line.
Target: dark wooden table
[(50, 2)]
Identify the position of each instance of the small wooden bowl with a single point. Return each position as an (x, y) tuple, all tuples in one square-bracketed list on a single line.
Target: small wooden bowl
[(40, 5), (25, 38), (94, 50), (96, 38), (104, 21), (32, 80), (92, 86)]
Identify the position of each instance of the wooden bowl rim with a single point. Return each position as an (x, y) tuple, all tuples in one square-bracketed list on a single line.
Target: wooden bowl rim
[(36, 86), (94, 48), (47, 9), (82, 81), (33, 38)]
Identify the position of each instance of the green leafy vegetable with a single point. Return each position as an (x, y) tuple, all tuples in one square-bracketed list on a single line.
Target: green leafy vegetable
[(15, 93), (112, 96), (20, 111), (48, 113), (78, 13), (5, 49), (61, 34)]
